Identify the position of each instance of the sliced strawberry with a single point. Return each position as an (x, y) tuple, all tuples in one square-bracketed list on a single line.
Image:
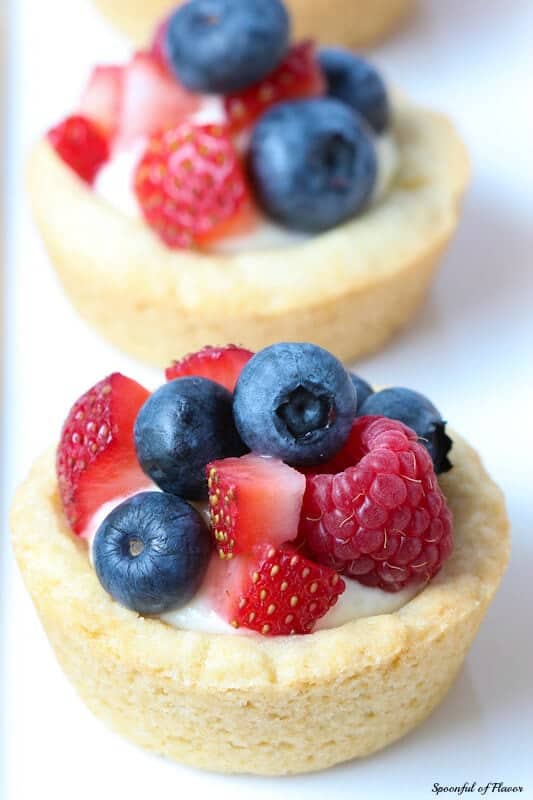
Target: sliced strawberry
[(275, 591), (157, 46), (220, 364), (96, 460), (81, 145), (152, 100), (298, 76), (101, 100), (253, 500), (190, 184)]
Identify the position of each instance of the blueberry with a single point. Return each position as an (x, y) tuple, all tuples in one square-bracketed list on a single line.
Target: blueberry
[(223, 46), (363, 389), (295, 402), (312, 163), (416, 411), (183, 426), (354, 81), (151, 552)]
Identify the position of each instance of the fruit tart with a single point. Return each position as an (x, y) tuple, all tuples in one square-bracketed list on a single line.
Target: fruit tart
[(355, 23), (232, 184), (264, 565)]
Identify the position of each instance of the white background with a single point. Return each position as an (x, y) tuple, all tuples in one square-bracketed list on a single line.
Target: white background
[(470, 350)]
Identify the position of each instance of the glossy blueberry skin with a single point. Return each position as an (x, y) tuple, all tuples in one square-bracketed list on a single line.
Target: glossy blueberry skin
[(416, 411), (358, 84), (363, 389), (223, 46), (173, 547), (312, 164), (183, 426), (295, 402)]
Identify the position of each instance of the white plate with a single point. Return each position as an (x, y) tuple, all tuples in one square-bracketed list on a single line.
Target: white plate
[(470, 349)]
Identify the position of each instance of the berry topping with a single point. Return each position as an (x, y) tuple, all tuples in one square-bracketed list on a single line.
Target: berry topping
[(276, 592), (80, 143), (384, 521), (152, 100), (253, 500), (349, 455), (299, 75), (151, 552), (96, 459), (158, 46), (191, 186), (355, 82), (220, 364), (416, 411), (295, 402), (221, 46), (363, 389), (101, 100), (313, 163), (183, 426)]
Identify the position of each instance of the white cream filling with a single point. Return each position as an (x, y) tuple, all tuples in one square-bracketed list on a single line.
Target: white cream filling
[(115, 185), (210, 112), (357, 601)]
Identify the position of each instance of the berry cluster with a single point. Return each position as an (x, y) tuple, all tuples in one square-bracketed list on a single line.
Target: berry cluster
[(310, 160), (383, 520), (303, 482)]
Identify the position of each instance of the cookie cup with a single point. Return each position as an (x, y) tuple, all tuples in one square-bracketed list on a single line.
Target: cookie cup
[(237, 703), (355, 23), (348, 290)]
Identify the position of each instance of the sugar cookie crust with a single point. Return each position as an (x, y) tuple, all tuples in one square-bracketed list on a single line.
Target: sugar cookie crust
[(353, 23), (348, 290), (251, 704)]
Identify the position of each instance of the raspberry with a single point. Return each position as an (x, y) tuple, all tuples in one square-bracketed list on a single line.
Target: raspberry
[(383, 521), (80, 144), (190, 184)]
